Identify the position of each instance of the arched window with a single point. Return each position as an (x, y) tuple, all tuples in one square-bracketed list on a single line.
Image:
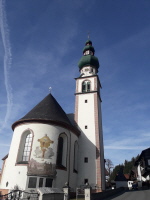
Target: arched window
[(75, 156), (86, 86), (25, 147), (62, 151)]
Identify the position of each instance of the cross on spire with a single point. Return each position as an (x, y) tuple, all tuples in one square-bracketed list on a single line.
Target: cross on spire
[(50, 89), (88, 35)]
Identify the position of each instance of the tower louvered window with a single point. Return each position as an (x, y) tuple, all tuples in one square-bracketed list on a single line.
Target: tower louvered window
[(86, 86)]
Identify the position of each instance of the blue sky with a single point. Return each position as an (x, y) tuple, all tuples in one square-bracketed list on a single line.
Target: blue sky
[(41, 43)]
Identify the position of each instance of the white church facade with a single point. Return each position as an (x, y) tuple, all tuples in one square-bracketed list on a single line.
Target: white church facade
[(50, 147)]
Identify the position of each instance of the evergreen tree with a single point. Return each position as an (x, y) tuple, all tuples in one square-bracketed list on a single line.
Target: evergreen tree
[(115, 171), (127, 167)]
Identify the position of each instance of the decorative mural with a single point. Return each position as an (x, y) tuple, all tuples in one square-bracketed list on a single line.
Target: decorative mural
[(36, 168), (44, 151)]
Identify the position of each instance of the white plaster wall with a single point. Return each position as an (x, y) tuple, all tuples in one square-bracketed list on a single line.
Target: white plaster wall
[(13, 174), (87, 141), (3, 171), (121, 184), (73, 175), (101, 146), (85, 115), (17, 174), (61, 179), (52, 132), (68, 176)]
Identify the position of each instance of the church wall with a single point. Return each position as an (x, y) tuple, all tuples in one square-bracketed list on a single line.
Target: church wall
[(73, 171), (99, 145), (102, 148), (68, 175), (13, 175), (16, 174)]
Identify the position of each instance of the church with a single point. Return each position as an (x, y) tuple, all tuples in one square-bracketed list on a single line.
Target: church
[(50, 147)]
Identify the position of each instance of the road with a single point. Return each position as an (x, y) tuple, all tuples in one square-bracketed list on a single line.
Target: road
[(132, 195)]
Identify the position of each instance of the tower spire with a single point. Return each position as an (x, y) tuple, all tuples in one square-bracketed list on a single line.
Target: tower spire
[(88, 64)]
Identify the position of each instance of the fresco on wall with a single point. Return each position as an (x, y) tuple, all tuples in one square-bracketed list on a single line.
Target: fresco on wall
[(44, 151), (36, 168)]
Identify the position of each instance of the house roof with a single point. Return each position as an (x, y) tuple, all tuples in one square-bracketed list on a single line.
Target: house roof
[(47, 111), (120, 176), (127, 176), (144, 154)]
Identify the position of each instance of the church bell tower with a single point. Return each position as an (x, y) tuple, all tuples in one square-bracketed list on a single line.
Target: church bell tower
[(89, 121)]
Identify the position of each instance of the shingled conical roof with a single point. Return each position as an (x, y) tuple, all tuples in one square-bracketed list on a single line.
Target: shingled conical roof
[(47, 111)]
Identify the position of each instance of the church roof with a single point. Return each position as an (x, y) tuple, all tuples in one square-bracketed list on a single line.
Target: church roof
[(47, 111)]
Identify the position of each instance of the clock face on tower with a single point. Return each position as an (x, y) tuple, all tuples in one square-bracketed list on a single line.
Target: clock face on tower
[(87, 69)]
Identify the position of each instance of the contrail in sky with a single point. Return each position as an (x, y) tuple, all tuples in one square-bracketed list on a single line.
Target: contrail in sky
[(7, 59)]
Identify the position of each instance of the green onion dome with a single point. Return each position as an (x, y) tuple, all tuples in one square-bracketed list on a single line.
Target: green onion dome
[(88, 57), (88, 42), (88, 47), (88, 60)]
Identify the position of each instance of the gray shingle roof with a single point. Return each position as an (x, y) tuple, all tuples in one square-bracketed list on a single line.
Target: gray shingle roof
[(47, 111)]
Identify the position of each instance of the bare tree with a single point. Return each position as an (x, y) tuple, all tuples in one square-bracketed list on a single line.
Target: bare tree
[(109, 165)]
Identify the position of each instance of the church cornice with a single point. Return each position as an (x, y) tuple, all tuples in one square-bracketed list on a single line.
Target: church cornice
[(86, 77), (50, 122), (95, 91)]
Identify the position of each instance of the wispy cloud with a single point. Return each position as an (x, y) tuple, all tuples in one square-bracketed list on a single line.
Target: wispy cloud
[(134, 142), (4, 145), (7, 59), (119, 147)]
